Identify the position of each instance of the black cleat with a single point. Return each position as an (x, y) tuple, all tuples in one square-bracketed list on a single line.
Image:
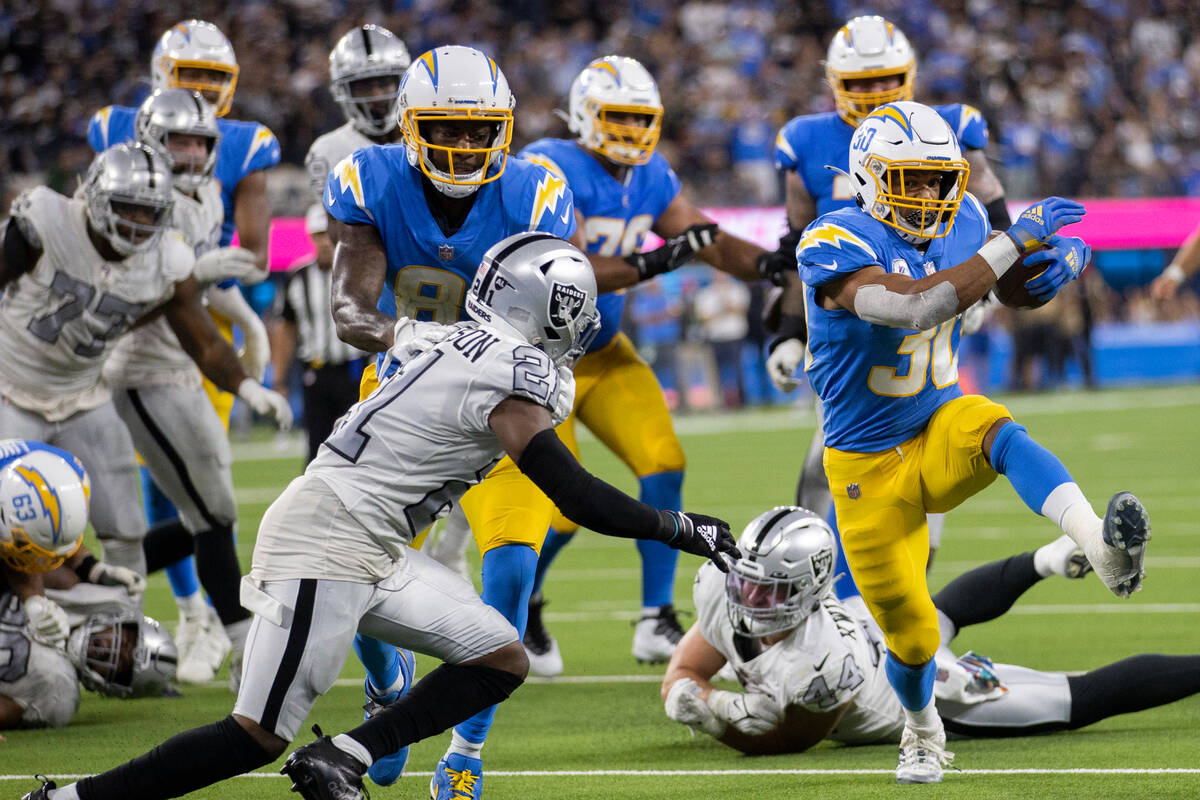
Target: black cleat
[(323, 771), (43, 791), (1126, 523)]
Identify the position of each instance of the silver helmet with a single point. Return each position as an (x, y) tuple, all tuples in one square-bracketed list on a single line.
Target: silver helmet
[(123, 655), (786, 568), (129, 179), (169, 112), (541, 289), (364, 56)]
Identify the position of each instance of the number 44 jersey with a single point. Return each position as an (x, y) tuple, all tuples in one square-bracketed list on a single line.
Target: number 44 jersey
[(60, 320), (401, 457), (832, 658)]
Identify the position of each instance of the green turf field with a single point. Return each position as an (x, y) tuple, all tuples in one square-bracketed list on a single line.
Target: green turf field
[(600, 731)]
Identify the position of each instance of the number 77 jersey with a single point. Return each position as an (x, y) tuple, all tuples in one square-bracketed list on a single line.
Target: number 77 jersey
[(878, 385)]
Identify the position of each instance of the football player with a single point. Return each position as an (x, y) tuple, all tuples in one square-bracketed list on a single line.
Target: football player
[(196, 55), (333, 554), (159, 395), (885, 284), (124, 655), (1184, 265), (813, 667), (869, 63), (623, 190), (76, 274)]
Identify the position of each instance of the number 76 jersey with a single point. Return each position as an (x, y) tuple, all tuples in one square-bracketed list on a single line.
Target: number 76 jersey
[(878, 385)]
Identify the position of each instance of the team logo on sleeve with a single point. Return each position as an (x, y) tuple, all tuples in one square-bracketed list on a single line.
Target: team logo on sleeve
[(833, 235), (566, 302), (549, 190)]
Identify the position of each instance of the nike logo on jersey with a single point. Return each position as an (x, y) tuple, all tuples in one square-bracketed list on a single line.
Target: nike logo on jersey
[(566, 217), (822, 664)]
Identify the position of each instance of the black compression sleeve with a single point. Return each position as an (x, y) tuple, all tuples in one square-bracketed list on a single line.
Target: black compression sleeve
[(998, 216), (791, 326), (19, 255), (986, 592), (582, 497)]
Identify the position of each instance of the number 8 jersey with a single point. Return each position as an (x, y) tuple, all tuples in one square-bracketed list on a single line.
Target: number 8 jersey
[(60, 320), (879, 386)]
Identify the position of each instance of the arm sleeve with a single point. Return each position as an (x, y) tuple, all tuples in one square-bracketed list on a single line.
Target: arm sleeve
[(583, 497)]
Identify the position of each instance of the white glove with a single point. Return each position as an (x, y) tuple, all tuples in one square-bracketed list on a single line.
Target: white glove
[(685, 707), (974, 317), (266, 402), (411, 338), (783, 362), (751, 713), (257, 352), (565, 401), (46, 621), (113, 575), (228, 262)]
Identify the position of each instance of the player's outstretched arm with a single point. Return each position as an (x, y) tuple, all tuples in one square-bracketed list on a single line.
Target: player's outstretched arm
[(359, 269), (526, 433), (1185, 264), (732, 254)]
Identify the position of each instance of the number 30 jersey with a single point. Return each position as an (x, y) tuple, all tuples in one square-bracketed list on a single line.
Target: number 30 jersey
[(59, 321), (413, 447), (878, 385), (832, 658)]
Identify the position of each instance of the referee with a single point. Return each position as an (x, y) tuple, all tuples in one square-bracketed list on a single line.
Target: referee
[(331, 367)]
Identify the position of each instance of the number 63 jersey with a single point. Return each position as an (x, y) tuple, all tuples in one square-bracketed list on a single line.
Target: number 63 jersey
[(878, 385), (60, 320), (830, 659), (409, 451)]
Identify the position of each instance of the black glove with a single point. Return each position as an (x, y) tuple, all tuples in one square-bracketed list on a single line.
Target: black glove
[(775, 265), (699, 535), (675, 252)]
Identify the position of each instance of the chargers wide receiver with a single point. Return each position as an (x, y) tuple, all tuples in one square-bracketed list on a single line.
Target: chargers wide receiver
[(196, 55), (884, 285), (623, 190), (813, 666), (333, 553), (869, 63)]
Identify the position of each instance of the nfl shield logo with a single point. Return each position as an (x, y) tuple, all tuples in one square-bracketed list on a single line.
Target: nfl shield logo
[(853, 491), (446, 252)]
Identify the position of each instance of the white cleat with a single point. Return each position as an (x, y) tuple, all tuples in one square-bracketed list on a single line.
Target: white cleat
[(205, 653), (545, 661), (655, 636), (922, 759)]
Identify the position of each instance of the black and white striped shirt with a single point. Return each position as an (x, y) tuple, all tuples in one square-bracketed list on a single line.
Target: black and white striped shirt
[(306, 305)]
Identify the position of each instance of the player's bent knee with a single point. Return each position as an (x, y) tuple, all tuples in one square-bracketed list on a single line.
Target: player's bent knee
[(272, 745), (915, 646), (509, 658)]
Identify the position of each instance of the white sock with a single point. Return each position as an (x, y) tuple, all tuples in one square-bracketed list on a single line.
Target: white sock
[(1050, 559), (946, 629), (352, 747), (464, 748), (65, 793), (1067, 508), (192, 606), (925, 723), (237, 633), (650, 611)]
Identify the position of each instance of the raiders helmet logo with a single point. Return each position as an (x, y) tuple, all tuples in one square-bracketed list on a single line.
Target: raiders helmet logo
[(822, 563), (566, 302)]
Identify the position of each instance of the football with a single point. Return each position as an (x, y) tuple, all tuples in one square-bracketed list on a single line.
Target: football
[(1010, 289)]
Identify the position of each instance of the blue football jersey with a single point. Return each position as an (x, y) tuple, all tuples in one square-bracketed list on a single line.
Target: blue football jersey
[(806, 144), (245, 147), (12, 449), (428, 273), (879, 385), (617, 214)]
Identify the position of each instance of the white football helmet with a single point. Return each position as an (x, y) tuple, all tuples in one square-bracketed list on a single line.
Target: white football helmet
[(456, 84), (615, 86), (179, 111), (539, 288), (363, 56), (864, 48), (907, 140), (126, 178), (788, 554), (124, 655), (44, 500), (196, 45)]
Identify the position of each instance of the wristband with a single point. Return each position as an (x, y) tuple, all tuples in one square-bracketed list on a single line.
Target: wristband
[(84, 568), (1000, 253), (1175, 273)]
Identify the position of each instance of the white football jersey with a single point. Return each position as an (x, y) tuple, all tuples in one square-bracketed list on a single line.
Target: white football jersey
[(60, 321), (152, 354), (39, 678), (407, 453), (329, 149), (831, 659)]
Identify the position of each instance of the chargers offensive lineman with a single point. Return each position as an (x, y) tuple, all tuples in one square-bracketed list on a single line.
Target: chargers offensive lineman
[(159, 395), (623, 189), (333, 555), (76, 274), (812, 666), (885, 284), (196, 55)]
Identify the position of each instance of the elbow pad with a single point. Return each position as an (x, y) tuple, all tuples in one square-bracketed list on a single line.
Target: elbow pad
[(921, 311)]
